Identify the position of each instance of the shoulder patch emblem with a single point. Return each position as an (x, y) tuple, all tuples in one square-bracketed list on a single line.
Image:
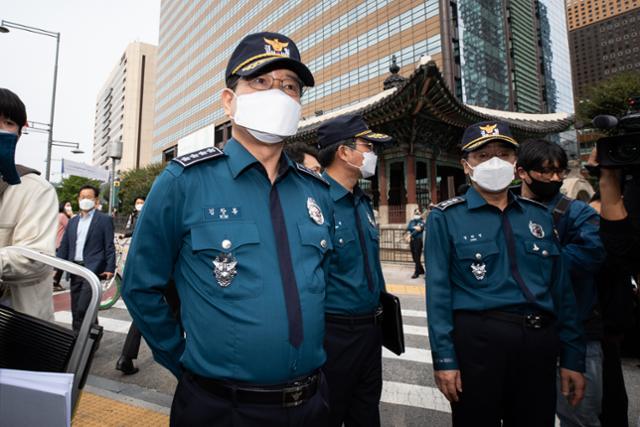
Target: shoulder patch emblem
[(535, 202), (198, 156), (453, 201), (314, 174)]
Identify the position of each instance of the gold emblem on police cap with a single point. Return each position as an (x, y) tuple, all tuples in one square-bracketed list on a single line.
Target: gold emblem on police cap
[(315, 213), (277, 46), (489, 130)]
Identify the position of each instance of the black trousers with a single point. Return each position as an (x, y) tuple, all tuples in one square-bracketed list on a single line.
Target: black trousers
[(194, 406), (508, 373), (615, 403), (132, 343), (416, 254), (354, 373), (80, 298)]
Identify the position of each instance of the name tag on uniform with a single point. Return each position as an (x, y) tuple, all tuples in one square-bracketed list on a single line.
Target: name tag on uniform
[(223, 213)]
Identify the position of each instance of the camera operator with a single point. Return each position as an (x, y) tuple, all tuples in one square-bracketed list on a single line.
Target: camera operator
[(616, 162)]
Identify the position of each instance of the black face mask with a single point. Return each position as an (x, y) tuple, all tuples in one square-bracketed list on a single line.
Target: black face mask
[(8, 170), (544, 190)]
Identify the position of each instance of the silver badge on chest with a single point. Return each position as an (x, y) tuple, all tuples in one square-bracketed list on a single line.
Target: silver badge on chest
[(225, 269), (371, 220), (536, 230), (479, 270), (315, 213)]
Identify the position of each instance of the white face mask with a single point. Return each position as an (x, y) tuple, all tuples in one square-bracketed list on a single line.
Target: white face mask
[(268, 115), (139, 206), (68, 209), (368, 167), (86, 204), (416, 217), (494, 175)]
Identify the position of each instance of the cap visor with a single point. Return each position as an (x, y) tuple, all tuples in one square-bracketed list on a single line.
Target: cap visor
[(274, 63)]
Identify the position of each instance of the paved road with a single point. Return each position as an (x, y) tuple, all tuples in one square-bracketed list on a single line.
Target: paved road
[(409, 395)]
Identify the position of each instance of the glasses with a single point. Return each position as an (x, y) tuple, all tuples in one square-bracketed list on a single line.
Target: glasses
[(290, 86), (548, 173)]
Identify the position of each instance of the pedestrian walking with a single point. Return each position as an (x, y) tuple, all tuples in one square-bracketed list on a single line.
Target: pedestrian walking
[(415, 228), (499, 298), (88, 241), (353, 315), (64, 213), (245, 234), (131, 345)]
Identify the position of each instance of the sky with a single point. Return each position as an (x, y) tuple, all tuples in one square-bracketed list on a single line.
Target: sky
[(93, 36)]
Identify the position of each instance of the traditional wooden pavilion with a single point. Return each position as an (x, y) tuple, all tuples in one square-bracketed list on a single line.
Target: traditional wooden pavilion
[(422, 165)]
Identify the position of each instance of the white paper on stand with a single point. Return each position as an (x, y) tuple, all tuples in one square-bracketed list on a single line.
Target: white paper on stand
[(29, 398)]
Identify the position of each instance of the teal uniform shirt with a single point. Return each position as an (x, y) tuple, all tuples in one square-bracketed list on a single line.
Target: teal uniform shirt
[(201, 211), (411, 228), (347, 287), (475, 256)]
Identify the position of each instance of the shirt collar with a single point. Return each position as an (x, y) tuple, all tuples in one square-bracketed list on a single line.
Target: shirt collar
[(475, 200), (240, 159), (336, 190), (89, 215)]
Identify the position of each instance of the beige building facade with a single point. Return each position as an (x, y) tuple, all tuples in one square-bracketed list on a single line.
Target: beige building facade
[(348, 46), (125, 109)]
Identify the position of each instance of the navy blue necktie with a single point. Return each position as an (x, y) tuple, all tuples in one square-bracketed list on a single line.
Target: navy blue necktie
[(290, 287), (363, 246)]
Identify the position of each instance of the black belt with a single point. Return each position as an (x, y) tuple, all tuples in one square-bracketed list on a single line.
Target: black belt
[(285, 395), (535, 320), (368, 319)]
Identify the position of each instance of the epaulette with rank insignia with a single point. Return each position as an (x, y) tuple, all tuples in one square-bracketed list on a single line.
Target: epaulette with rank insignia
[(535, 202), (450, 202), (198, 156), (313, 173)]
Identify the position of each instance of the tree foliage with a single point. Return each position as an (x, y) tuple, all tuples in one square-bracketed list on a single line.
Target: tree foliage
[(69, 187), (609, 97), (135, 183)]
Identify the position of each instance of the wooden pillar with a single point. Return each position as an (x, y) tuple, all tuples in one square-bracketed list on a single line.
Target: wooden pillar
[(411, 180), (433, 178), (383, 205)]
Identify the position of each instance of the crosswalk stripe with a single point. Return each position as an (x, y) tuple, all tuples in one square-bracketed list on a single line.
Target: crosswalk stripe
[(410, 354), (111, 325), (414, 313), (423, 331), (414, 395)]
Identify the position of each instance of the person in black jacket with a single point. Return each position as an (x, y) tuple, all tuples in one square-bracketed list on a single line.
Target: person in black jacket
[(132, 342)]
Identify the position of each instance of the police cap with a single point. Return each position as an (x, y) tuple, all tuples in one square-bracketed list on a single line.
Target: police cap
[(479, 134), (262, 52), (346, 127)]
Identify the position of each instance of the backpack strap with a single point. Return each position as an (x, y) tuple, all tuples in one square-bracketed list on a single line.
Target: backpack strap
[(558, 212)]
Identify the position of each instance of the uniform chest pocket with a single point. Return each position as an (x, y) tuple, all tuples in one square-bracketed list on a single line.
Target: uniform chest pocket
[(545, 253), (316, 241), (478, 262), (226, 259), (344, 237)]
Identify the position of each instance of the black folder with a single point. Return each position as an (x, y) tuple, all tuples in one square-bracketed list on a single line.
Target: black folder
[(392, 331)]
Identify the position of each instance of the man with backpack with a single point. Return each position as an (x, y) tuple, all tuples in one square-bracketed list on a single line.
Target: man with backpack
[(542, 167)]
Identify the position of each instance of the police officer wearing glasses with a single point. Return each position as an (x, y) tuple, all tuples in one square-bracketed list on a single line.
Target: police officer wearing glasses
[(245, 233), (353, 333), (499, 298)]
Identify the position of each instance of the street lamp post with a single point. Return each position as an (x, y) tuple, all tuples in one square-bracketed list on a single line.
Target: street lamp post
[(4, 28), (114, 150)]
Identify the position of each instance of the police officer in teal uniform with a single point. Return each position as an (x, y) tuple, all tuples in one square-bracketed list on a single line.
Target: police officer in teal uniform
[(415, 228), (245, 233), (353, 335), (499, 298)]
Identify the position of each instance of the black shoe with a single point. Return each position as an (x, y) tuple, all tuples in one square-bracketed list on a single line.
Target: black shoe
[(415, 276), (57, 288), (125, 365)]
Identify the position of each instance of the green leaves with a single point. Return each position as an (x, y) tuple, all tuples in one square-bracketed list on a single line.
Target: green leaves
[(609, 97)]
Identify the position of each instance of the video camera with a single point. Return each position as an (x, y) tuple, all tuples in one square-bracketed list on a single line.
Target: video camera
[(622, 148)]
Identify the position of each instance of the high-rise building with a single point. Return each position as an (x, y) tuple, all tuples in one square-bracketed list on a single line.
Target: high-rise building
[(603, 35), (509, 55), (124, 108)]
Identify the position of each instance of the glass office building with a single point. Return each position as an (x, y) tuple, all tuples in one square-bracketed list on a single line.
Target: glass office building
[(348, 46)]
